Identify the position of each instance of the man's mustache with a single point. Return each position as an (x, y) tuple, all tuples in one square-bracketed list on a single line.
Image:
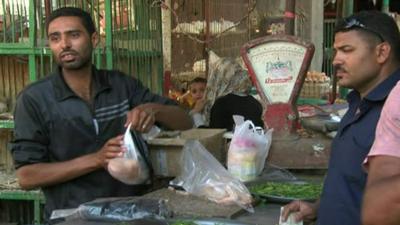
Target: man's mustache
[(68, 52), (339, 69)]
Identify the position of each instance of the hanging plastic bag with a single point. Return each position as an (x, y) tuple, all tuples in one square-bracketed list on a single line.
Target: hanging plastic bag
[(131, 168), (248, 150), (202, 175)]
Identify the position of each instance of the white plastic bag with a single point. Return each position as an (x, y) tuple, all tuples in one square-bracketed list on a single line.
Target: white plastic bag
[(131, 168), (202, 175), (248, 150), (290, 220)]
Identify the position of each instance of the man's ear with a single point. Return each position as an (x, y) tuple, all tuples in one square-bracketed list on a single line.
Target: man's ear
[(383, 51), (95, 39)]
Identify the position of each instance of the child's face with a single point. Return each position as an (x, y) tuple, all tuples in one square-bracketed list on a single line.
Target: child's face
[(197, 90)]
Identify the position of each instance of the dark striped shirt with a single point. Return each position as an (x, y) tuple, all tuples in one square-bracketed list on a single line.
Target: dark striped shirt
[(53, 124)]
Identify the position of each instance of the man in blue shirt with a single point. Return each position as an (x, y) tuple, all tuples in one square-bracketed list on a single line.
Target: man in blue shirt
[(367, 60)]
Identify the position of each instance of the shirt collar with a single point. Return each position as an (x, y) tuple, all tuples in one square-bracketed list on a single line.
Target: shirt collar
[(380, 92), (63, 91)]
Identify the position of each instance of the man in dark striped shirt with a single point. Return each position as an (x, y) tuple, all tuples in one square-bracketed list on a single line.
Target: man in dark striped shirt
[(70, 124)]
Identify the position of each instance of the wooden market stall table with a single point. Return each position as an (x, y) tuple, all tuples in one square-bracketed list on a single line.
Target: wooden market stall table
[(265, 214), (192, 208)]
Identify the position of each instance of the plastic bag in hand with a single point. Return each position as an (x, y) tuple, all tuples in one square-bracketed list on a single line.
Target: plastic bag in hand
[(248, 150), (131, 168), (202, 175)]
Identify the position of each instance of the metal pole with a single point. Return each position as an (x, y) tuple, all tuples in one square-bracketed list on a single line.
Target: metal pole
[(290, 16), (32, 41), (348, 7), (109, 34), (385, 6), (47, 8), (207, 18)]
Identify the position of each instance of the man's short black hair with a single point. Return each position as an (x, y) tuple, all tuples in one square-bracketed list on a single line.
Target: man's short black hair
[(72, 11), (376, 24)]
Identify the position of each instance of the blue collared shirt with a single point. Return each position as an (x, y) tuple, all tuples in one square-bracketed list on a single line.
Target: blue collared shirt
[(345, 182)]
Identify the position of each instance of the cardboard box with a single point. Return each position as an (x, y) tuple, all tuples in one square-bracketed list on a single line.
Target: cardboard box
[(165, 153)]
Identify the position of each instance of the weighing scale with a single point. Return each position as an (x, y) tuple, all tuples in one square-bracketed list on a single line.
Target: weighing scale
[(277, 65)]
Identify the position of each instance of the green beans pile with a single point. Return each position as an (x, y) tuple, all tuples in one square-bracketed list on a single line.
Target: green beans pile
[(288, 190)]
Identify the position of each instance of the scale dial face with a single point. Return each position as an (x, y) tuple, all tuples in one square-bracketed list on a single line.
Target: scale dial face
[(276, 66)]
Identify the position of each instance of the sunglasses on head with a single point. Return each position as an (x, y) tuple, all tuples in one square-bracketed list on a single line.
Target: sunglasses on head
[(354, 23)]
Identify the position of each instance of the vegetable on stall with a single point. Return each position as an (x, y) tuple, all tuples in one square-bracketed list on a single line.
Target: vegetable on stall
[(288, 190)]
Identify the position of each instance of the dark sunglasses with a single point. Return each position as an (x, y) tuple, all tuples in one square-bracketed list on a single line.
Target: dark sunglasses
[(354, 23)]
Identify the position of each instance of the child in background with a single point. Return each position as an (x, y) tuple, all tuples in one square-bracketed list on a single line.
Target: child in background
[(196, 100), (197, 88)]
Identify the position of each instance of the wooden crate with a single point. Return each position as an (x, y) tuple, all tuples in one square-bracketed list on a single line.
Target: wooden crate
[(13, 77), (165, 153), (315, 90), (6, 161)]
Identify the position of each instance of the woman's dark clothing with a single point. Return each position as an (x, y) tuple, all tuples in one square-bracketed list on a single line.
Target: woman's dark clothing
[(227, 106)]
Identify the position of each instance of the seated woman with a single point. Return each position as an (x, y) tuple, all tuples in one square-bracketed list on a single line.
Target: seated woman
[(227, 91)]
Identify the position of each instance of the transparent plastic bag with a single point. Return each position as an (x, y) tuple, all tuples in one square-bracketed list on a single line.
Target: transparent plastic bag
[(131, 168), (275, 173), (152, 133), (117, 209), (202, 175), (123, 209), (248, 150)]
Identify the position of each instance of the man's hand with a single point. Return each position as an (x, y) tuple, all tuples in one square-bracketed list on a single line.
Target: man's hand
[(46, 174), (142, 117), (111, 149), (303, 210)]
